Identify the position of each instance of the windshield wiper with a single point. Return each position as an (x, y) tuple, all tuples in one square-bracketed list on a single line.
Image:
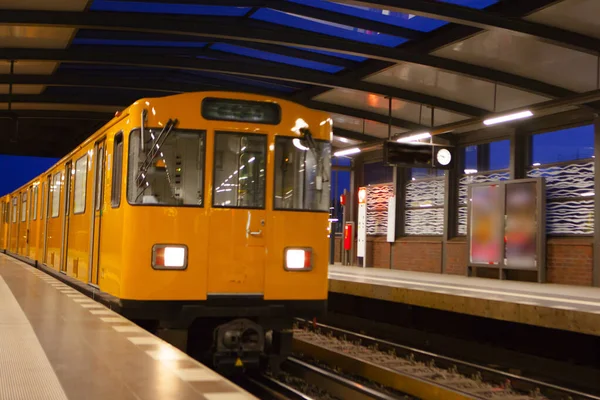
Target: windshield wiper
[(154, 150), (312, 145)]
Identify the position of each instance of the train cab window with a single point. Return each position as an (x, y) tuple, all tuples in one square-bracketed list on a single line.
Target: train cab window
[(239, 170), (301, 175), (117, 172), (24, 207), (166, 170), (80, 185), (55, 193)]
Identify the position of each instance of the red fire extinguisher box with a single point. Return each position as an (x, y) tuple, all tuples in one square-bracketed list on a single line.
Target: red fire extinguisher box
[(348, 236)]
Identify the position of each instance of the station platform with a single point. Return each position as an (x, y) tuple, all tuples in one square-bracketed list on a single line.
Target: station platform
[(58, 344), (570, 308)]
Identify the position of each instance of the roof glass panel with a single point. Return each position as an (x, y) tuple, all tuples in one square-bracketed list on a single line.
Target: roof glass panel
[(142, 43), (264, 55), (405, 20), (163, 8), (333, 54), (477, 4), (327, 28)]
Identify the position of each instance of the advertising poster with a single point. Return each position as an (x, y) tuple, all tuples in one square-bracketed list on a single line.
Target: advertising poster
[(521, 225), (486, 225)]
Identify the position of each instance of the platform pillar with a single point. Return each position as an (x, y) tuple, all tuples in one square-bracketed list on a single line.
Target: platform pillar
[(596, 248)]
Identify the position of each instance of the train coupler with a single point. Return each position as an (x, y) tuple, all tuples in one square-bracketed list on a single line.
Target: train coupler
[(239, 345)]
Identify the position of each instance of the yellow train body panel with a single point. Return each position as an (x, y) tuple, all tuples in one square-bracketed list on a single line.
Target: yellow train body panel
[(83, 232)]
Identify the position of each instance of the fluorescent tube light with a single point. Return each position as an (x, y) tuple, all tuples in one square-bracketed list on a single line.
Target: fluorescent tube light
[(346, 152), (509, 117), (414, 138)]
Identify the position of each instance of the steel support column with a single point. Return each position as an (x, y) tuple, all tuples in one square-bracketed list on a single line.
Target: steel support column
[(451, 204), (596, 249), (519, 154)]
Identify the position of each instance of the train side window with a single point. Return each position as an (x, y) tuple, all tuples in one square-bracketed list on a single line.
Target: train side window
[(33, 206), (15, 209), (55, 190), (117, 172), (80, 185), (24, 207)]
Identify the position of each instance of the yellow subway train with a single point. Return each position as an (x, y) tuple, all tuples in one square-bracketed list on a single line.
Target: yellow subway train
[(204, 213)]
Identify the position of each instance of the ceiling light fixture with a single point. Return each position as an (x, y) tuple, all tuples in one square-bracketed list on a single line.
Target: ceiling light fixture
[(414, 138), (347, 152), (509, 117)]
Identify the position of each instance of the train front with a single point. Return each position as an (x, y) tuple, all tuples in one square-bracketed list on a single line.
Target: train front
[(226, 227)]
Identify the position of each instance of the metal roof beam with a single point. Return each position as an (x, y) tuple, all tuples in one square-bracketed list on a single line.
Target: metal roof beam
[(60, 114), (270, 48), (285, 73), (485, 20), (426, 8), (153, 83), (312, 12), (348, 134), (257, 31), (453, 33), (368, 115)]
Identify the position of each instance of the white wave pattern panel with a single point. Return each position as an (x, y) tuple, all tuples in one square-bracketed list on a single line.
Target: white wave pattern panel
[(427, 221), (429, 192), (377, 208), (565, 181), (462, 194), (570, 218), (565, 213)]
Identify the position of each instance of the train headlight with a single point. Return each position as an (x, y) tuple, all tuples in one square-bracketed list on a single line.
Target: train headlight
[(166, 256), (298, 259)]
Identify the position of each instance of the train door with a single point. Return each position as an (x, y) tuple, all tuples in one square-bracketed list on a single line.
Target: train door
[(96, 224), (67, 212), (237, 254), (46, 216), (3, 225), (29, 238), (14, 225), (22, 229), (33, 250)]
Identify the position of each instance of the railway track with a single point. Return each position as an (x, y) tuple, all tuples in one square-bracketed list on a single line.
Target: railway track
[(303, 381), (419, 373)]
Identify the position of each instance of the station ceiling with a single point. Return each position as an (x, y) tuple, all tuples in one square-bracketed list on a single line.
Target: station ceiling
[(67, 65)]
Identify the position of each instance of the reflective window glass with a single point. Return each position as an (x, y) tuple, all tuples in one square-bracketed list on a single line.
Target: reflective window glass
[(24, 208), (499, 155), (239, 170), (80, 185), (563, 145), (168, 169), (470, 157), (15, 209), (55, 190), (302, 175), (117, 171)]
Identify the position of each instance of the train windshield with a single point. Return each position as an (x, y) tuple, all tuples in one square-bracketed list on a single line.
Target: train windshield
[(239, 170), (302, 175), (173, 176)]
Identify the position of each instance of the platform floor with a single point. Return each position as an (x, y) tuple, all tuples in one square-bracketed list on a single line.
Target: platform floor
[(58, 344), (573, 308)]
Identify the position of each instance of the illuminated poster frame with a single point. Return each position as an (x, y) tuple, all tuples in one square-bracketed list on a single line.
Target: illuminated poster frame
[(498, 218)]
